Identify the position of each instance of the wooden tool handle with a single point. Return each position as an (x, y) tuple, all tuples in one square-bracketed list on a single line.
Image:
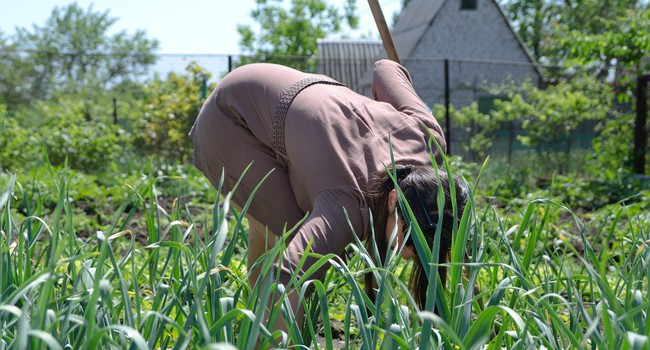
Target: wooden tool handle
[(386, 38)]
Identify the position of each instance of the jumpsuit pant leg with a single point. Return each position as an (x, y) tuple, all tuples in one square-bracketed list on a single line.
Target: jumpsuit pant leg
[(233, 131)]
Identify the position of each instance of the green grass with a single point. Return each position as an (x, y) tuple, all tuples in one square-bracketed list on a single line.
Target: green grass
[(546, 277)]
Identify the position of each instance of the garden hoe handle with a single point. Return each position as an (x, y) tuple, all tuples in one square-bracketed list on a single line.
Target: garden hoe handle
[(386, 38)]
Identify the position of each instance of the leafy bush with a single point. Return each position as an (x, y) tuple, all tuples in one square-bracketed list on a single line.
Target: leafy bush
[(19, 147), (612, 157), (66, 136), (86, 146), (169, 110), (478, 129), (593, 194), (549, 116)]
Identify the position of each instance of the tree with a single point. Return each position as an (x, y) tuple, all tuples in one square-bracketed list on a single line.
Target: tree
[(563, 32), (619, 47), (10, 78), (290, 36), (534, 22), (73, 53)]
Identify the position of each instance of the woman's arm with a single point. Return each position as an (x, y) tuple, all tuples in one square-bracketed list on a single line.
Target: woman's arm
[(328, 230), (392, 84)]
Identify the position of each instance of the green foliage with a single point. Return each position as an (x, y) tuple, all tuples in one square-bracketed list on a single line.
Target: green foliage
[(160, 274), (622, 42), (87, 146), (18, 145), (601, 36), (534, 21), (592, 194), (10, 79), (159, 123), (289, 35), (624, 38), (478, 129), (608, 40), (65, 137), (505, 181), (75, 54), (74, 50), (168, 113), (612, 157), (548, 116)]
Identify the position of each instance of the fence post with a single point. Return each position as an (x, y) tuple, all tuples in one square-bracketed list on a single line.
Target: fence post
[(204, 88), (640, 135), (511, 139), (115, 121), (447, 103)]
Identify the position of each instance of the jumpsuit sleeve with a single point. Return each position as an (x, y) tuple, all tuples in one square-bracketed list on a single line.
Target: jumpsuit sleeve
[(328, 230), (392, 83)]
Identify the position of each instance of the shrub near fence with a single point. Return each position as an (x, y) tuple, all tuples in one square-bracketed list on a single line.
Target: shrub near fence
[(168, 106), (545, 119), (62, 132)]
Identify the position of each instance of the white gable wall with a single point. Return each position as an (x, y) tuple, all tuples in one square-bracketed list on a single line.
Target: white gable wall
[(481, 34)]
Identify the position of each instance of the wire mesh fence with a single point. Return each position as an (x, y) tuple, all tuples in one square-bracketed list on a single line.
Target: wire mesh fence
[(216, 65), (453, 83)]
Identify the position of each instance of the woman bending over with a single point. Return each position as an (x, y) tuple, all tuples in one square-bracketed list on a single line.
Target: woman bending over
[(327, 150)]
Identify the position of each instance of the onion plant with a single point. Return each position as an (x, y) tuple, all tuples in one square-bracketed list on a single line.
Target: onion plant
[(533, 277)]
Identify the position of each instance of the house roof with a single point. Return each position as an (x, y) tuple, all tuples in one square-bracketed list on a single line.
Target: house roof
[(419, 15), (416, 17), (351, 61)]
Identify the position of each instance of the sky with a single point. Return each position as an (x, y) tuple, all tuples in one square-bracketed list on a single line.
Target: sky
[(181, 26)]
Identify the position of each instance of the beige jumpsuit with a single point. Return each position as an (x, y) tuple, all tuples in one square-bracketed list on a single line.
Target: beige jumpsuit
[(320, 141)]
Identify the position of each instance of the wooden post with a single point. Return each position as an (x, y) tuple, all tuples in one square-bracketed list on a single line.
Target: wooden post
[(386, 38), (640, 134), (115, 121), (511, 140), (204, 87)]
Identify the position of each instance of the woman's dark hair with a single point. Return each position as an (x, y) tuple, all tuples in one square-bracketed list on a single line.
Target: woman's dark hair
[(419, 184)]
